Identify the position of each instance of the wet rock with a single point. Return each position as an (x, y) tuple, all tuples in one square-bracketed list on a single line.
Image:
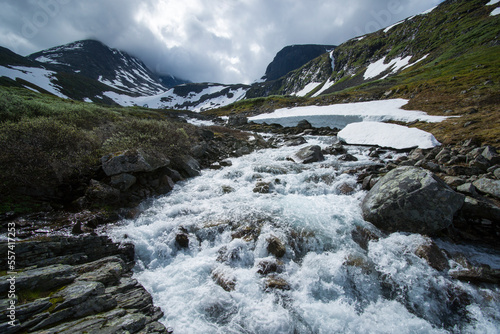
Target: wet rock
[(276, 247), (363, 236), (431, 253), (307, 155), (224, 279), (335, 149), (488, 186), (131, 161), (262, 187), (295, 141), (346, 189), (182, 240), (276, 282), (411, 199), (348, 157), (482, 274), (266, 267)]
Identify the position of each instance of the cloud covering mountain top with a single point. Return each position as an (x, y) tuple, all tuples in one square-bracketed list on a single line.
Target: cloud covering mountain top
[(227, 41)]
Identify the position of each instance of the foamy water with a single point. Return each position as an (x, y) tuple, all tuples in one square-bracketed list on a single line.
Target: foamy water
[(330, 283)]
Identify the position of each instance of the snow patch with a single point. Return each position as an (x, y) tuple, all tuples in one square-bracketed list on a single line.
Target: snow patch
[(37, 76), (378, 67), (307, 89), (387, 135), (386, 30), (170, 100), (377, 111), (428, 10), (495, 11), (327, 85), (492, 2), (87, 100)]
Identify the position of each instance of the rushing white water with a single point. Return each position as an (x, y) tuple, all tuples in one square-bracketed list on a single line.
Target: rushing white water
[(324, 283)]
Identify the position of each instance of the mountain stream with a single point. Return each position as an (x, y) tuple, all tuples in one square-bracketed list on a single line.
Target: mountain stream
[(271, 246)]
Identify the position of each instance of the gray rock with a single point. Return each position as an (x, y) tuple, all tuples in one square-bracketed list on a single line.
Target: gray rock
[(304, 124), (488, 186), (473, 208), (295, 141), (307, 155), (123, 181), (467, 188), (237, 120), (99, 192), (189, 166), (453, 181), (411, 199), (42, 279), (490, 154), (496, 172), (131, 161), (77, 293), (434, 256)]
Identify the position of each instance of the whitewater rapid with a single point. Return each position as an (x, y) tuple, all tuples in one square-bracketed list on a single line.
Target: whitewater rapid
[(325, 282)]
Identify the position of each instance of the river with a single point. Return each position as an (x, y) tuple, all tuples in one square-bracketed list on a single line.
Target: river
[(218, 256)]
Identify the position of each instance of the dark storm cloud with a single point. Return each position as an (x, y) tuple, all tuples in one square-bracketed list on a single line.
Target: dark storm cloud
[(225, 41)]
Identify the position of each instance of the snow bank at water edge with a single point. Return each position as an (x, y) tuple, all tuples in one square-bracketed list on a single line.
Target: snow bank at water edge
[(376, 111), (387, 135)]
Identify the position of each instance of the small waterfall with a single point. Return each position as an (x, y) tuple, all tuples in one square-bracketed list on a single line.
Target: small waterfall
[(270, 246)]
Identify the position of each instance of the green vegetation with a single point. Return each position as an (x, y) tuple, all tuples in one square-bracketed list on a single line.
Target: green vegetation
[(459, 74), (49, 146)]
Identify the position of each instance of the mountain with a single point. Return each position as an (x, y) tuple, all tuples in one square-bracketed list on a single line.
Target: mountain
[(90, 71), (96, 61), (293, 57), (447, 35), (170, 81)]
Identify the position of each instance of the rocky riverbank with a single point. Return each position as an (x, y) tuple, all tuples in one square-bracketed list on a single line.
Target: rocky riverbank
[(82, 283), (75, 285)]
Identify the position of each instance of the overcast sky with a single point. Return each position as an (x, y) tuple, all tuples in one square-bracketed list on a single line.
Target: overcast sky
[(225, 41)]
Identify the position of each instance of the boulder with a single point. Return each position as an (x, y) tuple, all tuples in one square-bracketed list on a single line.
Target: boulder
[(189, 166), (488, 186), (131, 161), (490, 154), (308, 154), (123, 181), (101, 193), (411, 199), (304, 124)]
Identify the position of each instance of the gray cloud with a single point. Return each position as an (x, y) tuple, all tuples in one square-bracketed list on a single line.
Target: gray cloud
[(228, 41)]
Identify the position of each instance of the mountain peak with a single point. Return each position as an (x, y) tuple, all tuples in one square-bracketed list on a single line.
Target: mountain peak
[(293, 57)]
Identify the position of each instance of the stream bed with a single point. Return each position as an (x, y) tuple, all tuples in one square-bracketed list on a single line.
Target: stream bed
[(271, 246)]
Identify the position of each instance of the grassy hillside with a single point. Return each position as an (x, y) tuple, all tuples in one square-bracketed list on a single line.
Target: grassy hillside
[(50, 146), (459, 77)]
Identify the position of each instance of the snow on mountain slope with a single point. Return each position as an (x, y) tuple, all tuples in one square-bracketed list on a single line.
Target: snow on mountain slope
[(97, 61), (212, 96), (37, 76)]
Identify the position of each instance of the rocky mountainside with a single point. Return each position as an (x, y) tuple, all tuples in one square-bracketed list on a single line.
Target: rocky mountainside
[(96, 61), (90, 71), (293, 57), (444, 36)]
